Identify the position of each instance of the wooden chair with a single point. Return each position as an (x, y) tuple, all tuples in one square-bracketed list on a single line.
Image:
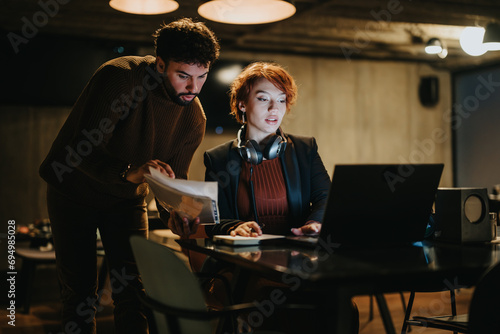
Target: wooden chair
[(484, 309), (174, 294)]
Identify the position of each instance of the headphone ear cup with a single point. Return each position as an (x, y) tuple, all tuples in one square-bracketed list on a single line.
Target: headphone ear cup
[(243, 153), (274, 147), (253, 152), (250, 152)]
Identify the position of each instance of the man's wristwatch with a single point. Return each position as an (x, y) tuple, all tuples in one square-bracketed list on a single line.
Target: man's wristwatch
[(123, 174)]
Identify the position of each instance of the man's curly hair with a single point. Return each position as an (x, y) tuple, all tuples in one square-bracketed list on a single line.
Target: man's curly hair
[(186, 41)]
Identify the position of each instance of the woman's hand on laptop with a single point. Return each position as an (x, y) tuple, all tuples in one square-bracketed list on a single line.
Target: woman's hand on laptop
[(310, 228), (247, 229)]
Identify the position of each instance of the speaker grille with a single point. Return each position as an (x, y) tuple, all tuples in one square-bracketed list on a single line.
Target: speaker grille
[(474, 209)]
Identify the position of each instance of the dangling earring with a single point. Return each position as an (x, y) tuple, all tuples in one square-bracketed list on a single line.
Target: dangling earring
[(243, 117)]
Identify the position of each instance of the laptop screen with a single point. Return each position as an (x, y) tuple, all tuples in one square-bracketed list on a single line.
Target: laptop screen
[(380, 203)]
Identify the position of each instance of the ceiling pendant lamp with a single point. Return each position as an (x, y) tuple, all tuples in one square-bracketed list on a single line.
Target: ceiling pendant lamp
[(471, 41), (246, 11), (144, 7), (491, 39)]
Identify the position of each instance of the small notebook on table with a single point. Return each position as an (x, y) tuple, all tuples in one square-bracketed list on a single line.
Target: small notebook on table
[(244, 241)]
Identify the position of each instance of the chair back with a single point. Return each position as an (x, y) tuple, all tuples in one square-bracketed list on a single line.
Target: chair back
[(167, 279), (484, 312)]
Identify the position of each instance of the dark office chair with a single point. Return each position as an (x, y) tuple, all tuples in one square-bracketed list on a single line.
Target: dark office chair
[(484, 309), (174, 294), (407, 322)]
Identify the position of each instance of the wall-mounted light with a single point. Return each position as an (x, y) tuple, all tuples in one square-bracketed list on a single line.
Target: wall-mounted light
[(436, 47), (491, 39), (144, 7), (433, 46), (246, 11), (471, 41)]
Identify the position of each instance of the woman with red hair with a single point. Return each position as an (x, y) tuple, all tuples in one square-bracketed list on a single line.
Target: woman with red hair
[(275, 182)]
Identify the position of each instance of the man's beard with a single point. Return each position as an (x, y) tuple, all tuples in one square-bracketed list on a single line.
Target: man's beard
[(177, 97)]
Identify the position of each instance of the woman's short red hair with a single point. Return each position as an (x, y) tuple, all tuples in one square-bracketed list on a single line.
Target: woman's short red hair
[(274, 73)]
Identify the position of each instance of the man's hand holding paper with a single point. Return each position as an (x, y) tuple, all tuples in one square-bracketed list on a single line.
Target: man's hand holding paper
[(182, 226), (190, 203)]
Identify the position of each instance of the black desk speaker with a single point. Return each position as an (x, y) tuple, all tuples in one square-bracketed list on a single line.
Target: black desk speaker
[(462, 215)]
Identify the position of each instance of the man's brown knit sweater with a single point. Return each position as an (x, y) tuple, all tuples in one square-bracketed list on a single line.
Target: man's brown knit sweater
[(124, 115)]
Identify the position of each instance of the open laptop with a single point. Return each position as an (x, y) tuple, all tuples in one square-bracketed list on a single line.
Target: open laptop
[(378, 204)]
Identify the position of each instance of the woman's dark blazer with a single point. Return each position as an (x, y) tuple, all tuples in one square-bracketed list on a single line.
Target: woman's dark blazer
[(306, 179)]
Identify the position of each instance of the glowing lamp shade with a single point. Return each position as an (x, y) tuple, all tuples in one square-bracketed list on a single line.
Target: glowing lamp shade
[(471, 41), (246, 11), (144, 7), (491, 39)]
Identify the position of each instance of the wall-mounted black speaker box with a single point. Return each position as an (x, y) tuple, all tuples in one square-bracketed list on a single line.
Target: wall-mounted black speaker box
[(428, 91), (462, 215)]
